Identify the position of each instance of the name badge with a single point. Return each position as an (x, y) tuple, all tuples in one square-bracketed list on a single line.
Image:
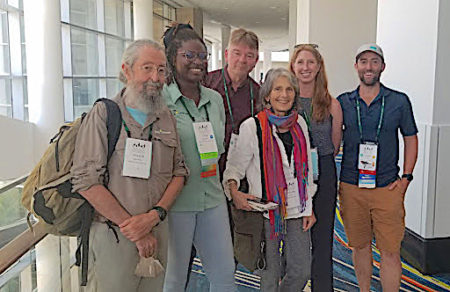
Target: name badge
[(137, 158), (293, 198), (233, 144), (315, 163), (207, 148), (367, 165)]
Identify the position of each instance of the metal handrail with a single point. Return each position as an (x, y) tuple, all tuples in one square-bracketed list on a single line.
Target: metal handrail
[(13, 184), (22, 243)]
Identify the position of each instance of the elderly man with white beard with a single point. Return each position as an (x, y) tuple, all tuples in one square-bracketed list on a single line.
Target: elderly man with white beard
[(132, 191)]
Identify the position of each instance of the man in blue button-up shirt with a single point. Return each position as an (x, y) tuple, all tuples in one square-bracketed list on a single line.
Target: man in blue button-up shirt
[(373, 114)]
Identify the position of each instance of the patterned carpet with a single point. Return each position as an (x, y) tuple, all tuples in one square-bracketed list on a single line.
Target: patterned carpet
[(344, 275), (343, 271)]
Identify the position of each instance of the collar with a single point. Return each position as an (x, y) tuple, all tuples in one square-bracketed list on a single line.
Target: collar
[(228, 79), (384, 91), (175, 93)]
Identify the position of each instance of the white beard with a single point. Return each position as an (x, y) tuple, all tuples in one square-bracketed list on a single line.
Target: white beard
[(147, 101)]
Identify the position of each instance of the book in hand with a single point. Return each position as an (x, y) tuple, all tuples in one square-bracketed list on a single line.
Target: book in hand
[(262, 207)]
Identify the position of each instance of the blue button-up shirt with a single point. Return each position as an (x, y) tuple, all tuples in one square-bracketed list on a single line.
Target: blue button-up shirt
[(397, 115)]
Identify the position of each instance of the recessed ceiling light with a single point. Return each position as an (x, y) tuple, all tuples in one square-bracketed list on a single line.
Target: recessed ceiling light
[(273, 7)]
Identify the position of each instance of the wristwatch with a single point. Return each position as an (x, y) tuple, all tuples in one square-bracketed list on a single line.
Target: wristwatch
[(408, 176), (162, 213)]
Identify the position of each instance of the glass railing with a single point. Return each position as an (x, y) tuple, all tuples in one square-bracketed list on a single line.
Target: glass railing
[(31, 260)]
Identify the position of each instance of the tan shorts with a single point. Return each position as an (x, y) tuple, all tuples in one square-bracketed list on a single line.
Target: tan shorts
[(368, 212)]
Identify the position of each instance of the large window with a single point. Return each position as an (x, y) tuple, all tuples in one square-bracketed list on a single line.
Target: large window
[(13, 97), (94, 35), (163, 14)]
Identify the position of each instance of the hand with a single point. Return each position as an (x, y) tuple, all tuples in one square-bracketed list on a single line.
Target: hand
[(135, 227), (308, 222), (402, 184), (147, 245), (240, 200)]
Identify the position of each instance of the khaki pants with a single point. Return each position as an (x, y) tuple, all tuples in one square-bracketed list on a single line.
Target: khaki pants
[(112, 264)]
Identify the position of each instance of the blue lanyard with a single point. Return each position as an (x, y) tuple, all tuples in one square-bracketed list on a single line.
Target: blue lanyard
[(229, 102), (380, 122)]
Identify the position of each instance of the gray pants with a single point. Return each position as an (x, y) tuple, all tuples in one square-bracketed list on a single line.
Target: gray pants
[(294, 267)]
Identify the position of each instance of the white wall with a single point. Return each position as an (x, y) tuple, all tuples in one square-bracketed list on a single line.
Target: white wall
[(442, 88), (417, 63), (340, 28), (16, 148)]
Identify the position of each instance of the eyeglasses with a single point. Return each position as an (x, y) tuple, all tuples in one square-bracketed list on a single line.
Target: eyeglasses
[(150, 69), (190, 55), (314, 46)]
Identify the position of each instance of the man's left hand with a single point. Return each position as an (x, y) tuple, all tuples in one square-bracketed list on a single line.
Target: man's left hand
[(402, 184), (135, 227)]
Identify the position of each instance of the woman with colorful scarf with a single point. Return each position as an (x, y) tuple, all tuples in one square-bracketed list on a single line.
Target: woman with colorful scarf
[(284, 177)]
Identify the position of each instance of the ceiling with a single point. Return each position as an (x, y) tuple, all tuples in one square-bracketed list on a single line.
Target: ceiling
[(269, 19)]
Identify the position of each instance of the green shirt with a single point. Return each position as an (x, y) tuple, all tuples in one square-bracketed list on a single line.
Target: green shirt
[(199, 193)]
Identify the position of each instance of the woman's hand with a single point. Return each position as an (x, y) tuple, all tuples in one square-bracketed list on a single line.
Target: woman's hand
[(308, 222), (240, 200)]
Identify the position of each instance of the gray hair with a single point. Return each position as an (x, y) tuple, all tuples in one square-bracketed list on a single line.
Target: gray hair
[(131, 53), (267, 86)]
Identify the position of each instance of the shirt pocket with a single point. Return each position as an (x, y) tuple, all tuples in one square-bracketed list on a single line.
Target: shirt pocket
[(164, 145)]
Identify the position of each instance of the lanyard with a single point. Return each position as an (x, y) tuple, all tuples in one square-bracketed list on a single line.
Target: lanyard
[(307, 118), (129, 133), (229, 102), (192, 118), (380, 122)]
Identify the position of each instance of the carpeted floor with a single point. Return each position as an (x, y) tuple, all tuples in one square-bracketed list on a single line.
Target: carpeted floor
[(344, 275), (343, 271)]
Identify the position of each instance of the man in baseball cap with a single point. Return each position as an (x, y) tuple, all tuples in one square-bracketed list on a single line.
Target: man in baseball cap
[(371, 191), (370, 48)]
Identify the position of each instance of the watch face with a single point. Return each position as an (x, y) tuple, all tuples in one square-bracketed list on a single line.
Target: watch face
[(409, 177)]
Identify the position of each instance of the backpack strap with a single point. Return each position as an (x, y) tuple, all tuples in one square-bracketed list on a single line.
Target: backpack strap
[(261, 262), (261, 157), (113, 125)]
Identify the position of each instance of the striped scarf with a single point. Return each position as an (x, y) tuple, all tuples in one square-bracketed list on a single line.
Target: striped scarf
[(275, 181)]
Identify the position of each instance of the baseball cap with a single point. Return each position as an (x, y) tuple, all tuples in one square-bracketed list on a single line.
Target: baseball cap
[(371, 48)]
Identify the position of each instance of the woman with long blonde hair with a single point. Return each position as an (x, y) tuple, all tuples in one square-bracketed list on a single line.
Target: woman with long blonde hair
[(323, 114)]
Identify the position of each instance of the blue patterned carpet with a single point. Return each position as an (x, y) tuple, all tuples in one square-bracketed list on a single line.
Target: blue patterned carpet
[(344, 275), (343, 271)]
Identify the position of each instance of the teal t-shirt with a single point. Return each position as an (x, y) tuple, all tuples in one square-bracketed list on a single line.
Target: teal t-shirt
[(137, 115)]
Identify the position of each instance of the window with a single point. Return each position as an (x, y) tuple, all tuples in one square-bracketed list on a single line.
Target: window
[(94, 35), (163, 14), (13, 99)]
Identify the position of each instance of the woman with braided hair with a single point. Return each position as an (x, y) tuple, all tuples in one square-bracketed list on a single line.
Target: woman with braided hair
[(199, 215)]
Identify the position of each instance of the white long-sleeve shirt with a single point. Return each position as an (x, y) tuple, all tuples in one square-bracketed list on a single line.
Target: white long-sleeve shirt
[(244, 162)]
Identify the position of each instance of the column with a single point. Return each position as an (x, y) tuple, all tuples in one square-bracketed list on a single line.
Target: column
[(143, 19), (215, 56), (339, 28), (225, 31), (44, 69), (427, 217), (46, 108), (267, 62), (193, 16)]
